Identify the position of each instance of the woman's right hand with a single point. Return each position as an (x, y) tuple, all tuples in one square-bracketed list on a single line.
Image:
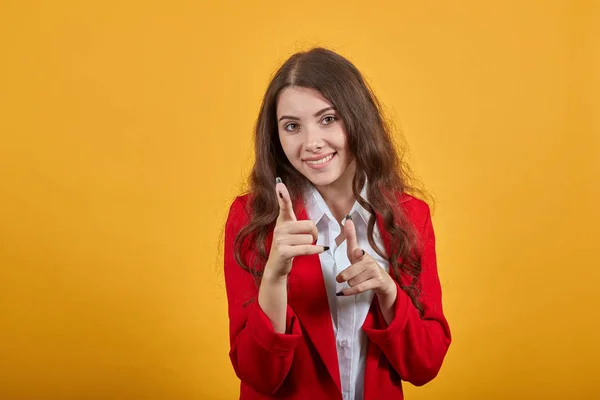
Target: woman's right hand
[(291, 238)]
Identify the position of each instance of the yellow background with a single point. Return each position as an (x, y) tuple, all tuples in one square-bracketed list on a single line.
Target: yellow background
[(126, 131)]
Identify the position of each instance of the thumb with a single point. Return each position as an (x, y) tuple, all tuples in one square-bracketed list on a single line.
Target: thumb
[(357, 254), (351, 240)]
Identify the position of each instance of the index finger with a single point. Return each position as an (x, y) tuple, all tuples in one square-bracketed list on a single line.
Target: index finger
[(350, 272), (286, 210)]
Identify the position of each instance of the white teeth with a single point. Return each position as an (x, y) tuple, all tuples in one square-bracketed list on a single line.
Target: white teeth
[(321, 161)]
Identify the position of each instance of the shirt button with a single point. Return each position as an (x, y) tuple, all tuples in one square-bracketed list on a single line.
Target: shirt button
[(343, 343)]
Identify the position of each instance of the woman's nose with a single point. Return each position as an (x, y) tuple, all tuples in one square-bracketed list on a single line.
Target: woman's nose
[(314, 140)]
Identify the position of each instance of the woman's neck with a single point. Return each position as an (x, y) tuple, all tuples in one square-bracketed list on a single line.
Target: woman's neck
[(339, 195)]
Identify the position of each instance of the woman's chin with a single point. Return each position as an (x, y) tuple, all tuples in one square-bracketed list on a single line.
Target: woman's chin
[(324, 180)]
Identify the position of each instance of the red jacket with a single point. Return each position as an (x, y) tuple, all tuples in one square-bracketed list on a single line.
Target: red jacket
[(302, 363)]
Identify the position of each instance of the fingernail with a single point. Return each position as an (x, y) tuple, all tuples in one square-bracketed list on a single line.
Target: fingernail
[(280, 195), (325, 248), (340, 293), (348, 217), (278, 180), (363, 252)]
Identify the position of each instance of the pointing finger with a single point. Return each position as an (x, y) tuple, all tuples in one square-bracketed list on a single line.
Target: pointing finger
[(286, 210)]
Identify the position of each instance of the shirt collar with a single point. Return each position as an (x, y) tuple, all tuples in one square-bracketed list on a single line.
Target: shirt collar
[(317, 209)]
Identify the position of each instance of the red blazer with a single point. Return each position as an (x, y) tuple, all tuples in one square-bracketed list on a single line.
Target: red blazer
[(302, 363)]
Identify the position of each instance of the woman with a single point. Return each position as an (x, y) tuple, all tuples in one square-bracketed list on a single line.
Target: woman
[(330, 264)]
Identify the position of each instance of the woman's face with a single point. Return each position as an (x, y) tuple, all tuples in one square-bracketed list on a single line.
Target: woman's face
[(313, 137)]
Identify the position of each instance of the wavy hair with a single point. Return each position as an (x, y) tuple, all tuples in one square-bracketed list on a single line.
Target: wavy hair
[(369, 140)]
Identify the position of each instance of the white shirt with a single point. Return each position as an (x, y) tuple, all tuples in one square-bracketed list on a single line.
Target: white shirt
[(348, 313)]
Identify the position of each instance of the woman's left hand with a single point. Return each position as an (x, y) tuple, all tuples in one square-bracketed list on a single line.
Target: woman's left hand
[(364, 273)]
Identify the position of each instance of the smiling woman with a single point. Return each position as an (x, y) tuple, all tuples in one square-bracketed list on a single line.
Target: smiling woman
[(313, 137), (330, 264)]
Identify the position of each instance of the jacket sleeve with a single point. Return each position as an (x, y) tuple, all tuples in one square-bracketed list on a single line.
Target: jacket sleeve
[(415, 346), (260, 357)]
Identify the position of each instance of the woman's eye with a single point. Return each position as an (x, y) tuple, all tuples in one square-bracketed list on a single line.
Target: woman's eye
[(291, 127), (329, 119)]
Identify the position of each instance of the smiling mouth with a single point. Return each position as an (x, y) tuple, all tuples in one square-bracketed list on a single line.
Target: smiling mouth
[(321, 161)]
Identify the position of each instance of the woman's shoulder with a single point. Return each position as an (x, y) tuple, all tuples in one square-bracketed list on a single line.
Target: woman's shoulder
[(239, 202), (416, 209), (239, 212), (241, 199)]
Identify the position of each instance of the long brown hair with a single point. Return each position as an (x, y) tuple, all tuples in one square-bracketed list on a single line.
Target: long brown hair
[(369, 141)]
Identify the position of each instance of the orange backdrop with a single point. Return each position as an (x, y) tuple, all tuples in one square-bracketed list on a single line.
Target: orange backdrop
[(125, 132)]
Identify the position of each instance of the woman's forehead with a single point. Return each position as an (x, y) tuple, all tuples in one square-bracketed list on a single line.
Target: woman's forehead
[(301, 101)]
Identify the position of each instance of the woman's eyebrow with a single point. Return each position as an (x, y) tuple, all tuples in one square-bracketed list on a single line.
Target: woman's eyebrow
[(316, 114), (289, 117), (324, 111)]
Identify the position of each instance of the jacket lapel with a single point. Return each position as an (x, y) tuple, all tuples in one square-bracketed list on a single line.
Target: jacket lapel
[(308, 298), (373, 321)]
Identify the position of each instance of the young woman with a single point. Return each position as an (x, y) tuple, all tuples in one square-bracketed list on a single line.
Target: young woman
[(330, 264)]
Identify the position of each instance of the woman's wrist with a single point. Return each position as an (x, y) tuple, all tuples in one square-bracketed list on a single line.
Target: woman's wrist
[(387, 299), (271, 274)]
